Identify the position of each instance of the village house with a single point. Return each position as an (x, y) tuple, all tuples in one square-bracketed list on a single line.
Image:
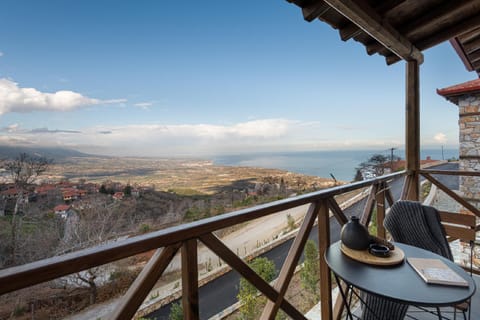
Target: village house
[(62, 210), (118, 195)]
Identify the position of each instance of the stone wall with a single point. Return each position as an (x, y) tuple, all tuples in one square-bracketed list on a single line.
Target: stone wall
[(469, 124)]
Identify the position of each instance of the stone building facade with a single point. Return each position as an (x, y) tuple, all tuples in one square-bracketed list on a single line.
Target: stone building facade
[(467, 97)]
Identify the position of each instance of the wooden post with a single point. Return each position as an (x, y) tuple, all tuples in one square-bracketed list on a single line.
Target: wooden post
[(412, 127), (190, 280), (323, 244)]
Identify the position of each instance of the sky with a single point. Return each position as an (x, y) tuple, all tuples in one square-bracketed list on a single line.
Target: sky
[(195, 78)]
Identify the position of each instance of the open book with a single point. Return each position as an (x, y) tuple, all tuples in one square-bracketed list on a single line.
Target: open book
[(436, 271)]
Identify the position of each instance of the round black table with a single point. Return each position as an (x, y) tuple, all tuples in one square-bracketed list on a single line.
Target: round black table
[(399, 282)]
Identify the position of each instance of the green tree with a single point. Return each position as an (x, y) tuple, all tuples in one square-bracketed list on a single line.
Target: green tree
[(103, 189), (247, 294), (358, 175), (127, 190), (176, 312), (310, 273), (376, 163)]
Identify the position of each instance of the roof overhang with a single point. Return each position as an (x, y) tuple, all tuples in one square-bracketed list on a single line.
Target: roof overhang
[(453, 93), (402, 29)]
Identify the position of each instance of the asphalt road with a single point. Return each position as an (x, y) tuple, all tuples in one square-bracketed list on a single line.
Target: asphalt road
[(221, 292)]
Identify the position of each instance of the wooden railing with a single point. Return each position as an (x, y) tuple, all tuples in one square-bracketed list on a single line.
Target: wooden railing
[(185, 238)]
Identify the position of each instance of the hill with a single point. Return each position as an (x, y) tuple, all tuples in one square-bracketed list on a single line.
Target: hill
[(57, 154)]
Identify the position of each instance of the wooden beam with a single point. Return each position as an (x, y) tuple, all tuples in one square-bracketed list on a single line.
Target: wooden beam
[(323, 244), (412, 127), (442, 15), (360, 13), (217, 246), (351, 30), (138, 291), (442, 35), (190, 280), (291, 261)]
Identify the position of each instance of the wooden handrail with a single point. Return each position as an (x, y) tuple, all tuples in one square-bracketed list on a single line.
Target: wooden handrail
[(451, 172), (40, 271)]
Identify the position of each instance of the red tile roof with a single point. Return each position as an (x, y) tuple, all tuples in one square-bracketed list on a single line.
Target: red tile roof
[(10, 192), (61, 207), (466, 87)]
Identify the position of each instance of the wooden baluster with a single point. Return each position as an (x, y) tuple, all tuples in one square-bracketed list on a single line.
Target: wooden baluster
[(227, 255), (452, 194), (190, 280), (323, 244), (388, 195), (288, 268), (380, 199), (337, 211), (145, 281), (367, 211)]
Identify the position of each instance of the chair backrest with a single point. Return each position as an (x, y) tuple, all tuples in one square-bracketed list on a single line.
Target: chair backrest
[(412, 223)]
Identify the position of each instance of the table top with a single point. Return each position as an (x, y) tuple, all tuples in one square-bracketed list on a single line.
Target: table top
[(399, 282)]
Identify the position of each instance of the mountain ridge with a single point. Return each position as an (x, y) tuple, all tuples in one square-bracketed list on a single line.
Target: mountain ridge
[(57, 154)]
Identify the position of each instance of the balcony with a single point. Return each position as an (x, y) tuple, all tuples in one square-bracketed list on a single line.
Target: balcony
[(390, 28), (185, 238)]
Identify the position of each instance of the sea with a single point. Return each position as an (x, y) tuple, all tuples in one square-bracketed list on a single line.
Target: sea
[(341, 164)]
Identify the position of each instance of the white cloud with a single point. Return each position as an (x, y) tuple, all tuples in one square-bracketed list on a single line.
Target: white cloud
[(16, 99), (12, 128), (144, 105), (1, 54), (440, 138), (169, 140), (158, 139)]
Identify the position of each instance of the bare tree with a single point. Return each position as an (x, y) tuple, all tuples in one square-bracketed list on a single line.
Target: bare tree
[(23, 171), (94, 224)]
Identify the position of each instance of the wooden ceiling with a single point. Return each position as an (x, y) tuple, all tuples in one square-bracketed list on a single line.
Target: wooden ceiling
[(402, 29)]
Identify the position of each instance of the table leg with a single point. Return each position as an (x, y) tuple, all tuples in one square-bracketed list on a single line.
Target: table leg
[(344, 297)]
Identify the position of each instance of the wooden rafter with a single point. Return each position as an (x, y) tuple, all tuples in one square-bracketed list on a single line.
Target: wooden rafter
[(311, 12), (443, 35), (441, 15), (351, 30), (369, 21)]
